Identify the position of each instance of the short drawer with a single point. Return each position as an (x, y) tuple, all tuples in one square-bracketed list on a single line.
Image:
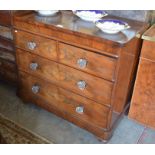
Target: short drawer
[(64, 100), (38, 45), (96, 64), (79, 82)]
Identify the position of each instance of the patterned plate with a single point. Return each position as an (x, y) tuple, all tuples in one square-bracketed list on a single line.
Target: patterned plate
[(90, 15), (112, 26)]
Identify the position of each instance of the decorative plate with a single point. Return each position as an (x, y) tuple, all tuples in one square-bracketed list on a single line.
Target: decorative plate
[(111, 26), (47, 12), (90, 15)]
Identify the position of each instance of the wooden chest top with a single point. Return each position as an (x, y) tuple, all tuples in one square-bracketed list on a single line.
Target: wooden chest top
[(68, 22)]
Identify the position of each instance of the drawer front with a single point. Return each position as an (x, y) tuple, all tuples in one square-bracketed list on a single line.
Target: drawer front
[(79, 82), (65, 101), (6, 44), (7, 55), (35, 44), (6, 32), (87, 61), (5, 18)]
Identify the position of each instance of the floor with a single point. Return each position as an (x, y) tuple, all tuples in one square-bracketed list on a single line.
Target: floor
[(59, 131)]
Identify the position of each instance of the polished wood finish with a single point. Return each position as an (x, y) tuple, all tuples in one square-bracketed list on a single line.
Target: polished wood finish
[(44, 47), (98, 65), (6, 44), (7, 54), (81, 33), (142, 103), (66, 77), (66, 101), (108, 72), (5, 17), (126, 74), (6, 32), (148, 50), (8, 71)]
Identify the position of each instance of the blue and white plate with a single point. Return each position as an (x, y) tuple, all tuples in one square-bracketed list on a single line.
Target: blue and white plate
[(111, 26), (90, 15)]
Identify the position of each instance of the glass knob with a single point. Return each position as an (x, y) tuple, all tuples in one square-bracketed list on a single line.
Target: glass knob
[(33, 66), (31, 45), (80, 109), (35, 89), (82, 63), (81, 85)]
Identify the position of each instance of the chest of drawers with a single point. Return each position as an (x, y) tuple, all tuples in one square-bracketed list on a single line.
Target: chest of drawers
[(72, 69)]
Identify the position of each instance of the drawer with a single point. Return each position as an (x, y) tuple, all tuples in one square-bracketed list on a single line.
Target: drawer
[(6, 44), (6, 32), (96, 64), (5, 18), (7, 55), (79, 82), (35, 44), (63, 100)]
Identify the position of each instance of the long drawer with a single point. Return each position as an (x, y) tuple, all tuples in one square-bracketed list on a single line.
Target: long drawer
[(64, 100), (79, 82), (97, 64), (39, 45)]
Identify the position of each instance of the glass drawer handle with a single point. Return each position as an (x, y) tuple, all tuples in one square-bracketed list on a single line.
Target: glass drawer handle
[(35, 89), (82, 63), (33, 66), (81, 85), (80, 109), (31, 45)]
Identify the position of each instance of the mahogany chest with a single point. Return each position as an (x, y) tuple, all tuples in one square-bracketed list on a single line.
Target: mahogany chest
[(74, 70), (143, 98)]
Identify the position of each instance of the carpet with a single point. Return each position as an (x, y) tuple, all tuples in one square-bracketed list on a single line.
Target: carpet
[(12, 133)]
